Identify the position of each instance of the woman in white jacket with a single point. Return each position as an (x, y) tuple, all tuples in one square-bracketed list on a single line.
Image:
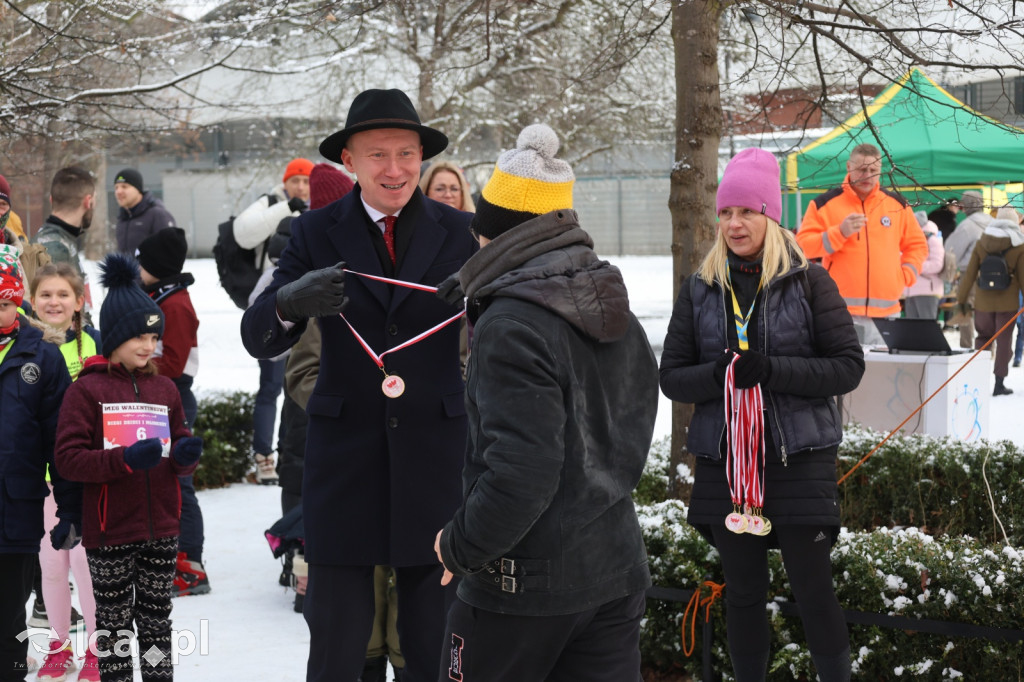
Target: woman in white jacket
[(253, 229), (258, 222), (922, 297)]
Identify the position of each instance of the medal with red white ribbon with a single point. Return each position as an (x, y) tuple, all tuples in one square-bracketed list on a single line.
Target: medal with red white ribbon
[(393, 385), (744, 464)]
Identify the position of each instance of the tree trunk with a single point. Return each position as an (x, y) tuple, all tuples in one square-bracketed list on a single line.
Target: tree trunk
[(695, 172), (100, 239)]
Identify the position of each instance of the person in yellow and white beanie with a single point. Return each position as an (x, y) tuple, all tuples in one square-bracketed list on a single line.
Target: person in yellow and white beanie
[(561, 396), (527, 181)]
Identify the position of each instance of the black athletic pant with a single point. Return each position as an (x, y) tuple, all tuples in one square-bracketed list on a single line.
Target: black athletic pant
[(601, 644), (806, 554), (339, 609), (15, 588)]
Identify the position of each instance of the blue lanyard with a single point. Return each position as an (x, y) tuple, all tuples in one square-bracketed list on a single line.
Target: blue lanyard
[(742, 321)]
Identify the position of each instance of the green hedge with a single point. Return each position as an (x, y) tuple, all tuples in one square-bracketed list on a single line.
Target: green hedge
[(904, 572), (224, 422), (935, 484)]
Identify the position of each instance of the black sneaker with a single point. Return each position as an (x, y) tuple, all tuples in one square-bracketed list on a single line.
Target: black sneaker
[(375, 670), (38, 618)]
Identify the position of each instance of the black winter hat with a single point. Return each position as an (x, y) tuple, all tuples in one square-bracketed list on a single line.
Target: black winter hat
[(132, 177), (126, 311), (163, 253), (373, 109)]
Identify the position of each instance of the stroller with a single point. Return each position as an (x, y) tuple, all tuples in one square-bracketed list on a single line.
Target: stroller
[(286, 542)]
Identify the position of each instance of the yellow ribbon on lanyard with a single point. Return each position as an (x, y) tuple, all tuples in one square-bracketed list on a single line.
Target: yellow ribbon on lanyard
[(742, 321)]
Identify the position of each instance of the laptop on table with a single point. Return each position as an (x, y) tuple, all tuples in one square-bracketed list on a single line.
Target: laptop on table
[(915, 337)]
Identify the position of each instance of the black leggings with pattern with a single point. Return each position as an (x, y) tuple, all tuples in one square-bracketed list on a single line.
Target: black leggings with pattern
[(132, 585)]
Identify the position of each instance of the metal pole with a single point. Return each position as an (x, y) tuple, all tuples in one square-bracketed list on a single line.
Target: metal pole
[(622, 227), (708, 634), (707, 638), (192, 217)]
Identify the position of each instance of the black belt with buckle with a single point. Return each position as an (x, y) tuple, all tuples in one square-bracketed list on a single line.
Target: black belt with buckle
[(516, 576)]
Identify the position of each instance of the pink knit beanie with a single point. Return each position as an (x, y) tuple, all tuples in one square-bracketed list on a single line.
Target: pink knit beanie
[(751, 180)]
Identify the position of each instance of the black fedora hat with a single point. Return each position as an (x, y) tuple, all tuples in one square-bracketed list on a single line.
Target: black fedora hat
[(372, 109)]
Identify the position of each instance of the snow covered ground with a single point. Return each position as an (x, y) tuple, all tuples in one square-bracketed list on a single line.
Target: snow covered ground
[(245, 629)]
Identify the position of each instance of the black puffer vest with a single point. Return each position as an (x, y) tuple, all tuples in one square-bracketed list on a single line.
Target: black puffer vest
[(786, 328)]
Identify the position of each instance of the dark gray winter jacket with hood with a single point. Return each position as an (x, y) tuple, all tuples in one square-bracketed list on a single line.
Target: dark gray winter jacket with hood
[(561, 396)]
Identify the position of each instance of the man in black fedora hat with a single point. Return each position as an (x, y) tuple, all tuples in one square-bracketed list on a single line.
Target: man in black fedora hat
[(387, 424)]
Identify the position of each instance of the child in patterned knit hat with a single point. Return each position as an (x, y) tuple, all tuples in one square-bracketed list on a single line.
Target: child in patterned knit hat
[(33, 378)]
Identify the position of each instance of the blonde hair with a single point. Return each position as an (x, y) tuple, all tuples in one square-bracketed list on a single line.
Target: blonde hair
[(434, 168), (777, 256), (64, 271)]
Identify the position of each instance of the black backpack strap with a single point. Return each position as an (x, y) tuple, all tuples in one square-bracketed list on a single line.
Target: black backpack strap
[(271, 200)]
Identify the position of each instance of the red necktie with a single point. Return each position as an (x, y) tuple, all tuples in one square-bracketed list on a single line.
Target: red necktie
[(389, 235)]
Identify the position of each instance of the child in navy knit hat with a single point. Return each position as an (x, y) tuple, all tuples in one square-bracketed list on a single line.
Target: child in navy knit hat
[(122, 432)]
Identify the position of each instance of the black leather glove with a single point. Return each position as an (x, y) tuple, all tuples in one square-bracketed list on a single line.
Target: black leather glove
[(450, 291), (318, 293), (751, 369), (145, 454), (297, 205), (721, 363), (65, 535), (187, 450)]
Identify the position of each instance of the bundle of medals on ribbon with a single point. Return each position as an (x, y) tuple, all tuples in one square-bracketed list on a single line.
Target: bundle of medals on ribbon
[(744, 465), (393, 385)]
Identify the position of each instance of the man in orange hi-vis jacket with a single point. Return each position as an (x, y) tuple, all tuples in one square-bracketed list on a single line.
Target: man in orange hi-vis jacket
[(868, 240)]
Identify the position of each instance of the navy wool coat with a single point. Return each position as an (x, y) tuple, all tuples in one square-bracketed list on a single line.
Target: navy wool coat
[(382, 475), (33, 378)]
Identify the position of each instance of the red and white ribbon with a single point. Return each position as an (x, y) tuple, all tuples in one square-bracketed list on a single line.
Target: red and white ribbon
[(745, 456), (379, 358), (399, 282)]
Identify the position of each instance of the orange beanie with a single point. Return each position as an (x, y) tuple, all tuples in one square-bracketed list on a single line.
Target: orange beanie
[(297, 167)]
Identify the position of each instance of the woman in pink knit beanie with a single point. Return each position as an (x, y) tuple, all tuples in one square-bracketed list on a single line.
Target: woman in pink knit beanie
[(759, 342)]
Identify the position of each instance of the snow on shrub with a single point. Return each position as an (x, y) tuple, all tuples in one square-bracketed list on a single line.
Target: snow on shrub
[(910, 572)]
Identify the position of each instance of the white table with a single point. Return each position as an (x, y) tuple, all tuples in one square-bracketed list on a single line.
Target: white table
[(894, 385)]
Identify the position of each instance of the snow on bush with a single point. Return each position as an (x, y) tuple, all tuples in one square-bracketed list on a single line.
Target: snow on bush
[(906, 572)]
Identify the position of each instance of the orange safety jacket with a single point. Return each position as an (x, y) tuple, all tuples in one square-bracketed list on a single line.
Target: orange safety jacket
[(871, 267)]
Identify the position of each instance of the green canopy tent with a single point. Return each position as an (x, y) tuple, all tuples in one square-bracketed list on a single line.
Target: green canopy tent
[(938, 147)]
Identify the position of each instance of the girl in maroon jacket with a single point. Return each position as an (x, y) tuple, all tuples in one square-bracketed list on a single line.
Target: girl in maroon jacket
[(122, 433)]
